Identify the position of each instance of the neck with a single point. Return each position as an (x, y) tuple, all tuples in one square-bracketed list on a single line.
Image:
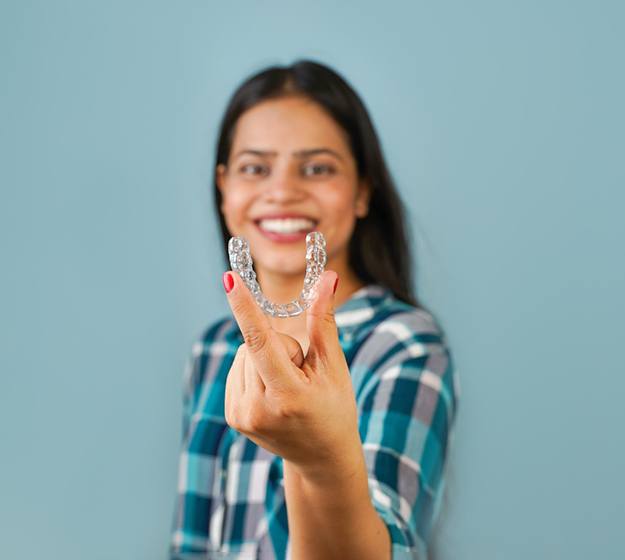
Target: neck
[(283, 288)]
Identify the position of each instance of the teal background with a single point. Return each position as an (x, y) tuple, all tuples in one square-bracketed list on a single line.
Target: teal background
[(503, 125)]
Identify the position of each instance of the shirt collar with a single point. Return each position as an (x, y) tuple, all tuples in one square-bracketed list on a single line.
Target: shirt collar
[(361, 306)]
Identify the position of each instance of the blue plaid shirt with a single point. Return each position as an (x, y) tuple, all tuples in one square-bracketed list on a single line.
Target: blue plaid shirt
[(230, 501)]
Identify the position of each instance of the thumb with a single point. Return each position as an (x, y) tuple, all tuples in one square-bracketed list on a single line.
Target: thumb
[(320, 324)]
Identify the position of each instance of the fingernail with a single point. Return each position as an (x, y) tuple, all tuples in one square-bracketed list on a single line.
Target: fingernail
[(336, 283), (228, 281)]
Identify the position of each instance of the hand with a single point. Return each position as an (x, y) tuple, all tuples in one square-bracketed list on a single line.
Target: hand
[(301, 408)]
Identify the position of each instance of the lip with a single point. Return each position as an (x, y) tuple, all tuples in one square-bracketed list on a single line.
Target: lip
[(284, 216), (284, 237)]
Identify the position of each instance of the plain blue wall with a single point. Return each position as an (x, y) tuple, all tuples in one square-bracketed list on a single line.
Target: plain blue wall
[(503, 124)]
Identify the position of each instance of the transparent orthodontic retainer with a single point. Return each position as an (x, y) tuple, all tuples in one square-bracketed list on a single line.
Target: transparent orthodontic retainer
[(241, 262)]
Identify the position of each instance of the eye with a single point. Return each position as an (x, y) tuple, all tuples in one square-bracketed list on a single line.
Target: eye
[(317, 169), (254, 169)]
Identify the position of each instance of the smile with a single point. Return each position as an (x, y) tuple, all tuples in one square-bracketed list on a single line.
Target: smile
[(285, 230)]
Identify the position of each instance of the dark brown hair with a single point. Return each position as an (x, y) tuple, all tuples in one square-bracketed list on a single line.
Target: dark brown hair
[(379, 250)]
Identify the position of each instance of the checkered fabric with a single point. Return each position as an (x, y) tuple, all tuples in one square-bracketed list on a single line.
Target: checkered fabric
[(230, 501)]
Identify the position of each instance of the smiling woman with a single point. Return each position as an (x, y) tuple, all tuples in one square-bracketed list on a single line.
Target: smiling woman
[(322, 435), (291, 171)]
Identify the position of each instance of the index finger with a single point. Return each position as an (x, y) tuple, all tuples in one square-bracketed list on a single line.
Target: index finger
[(264, 347)]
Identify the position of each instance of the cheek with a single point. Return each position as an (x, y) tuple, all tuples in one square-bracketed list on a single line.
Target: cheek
[(235, 203), (338, 220), (338, 207)]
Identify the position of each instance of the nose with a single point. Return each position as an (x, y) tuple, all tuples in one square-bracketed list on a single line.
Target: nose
[(282, 186)]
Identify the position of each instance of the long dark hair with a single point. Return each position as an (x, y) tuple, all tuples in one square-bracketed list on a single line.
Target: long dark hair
[(379, 250)]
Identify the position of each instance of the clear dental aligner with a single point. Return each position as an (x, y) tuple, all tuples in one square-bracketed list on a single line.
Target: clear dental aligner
[(241, 262)]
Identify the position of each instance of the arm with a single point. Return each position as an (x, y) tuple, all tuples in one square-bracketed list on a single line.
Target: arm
[(382, 500), (407, 412), (305, 409), (331, 516), (206, 358)]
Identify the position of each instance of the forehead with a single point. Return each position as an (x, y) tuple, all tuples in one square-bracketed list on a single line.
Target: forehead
[(288, 123)]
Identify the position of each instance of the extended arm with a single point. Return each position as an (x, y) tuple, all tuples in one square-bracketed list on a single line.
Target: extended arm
[(331, 516)]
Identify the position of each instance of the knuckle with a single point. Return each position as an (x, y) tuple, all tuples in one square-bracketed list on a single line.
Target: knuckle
[(255, 339), (255, 420), (323, 315), (287, 410), (328, 317), (320, 361), (231, 417), (238, 307)]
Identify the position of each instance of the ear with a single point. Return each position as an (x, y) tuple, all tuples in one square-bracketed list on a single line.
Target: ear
[(220, 174), (220, 178), (363, 197)]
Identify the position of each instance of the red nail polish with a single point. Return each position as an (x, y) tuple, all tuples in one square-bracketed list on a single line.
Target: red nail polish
[(228, 281), (336, 283)]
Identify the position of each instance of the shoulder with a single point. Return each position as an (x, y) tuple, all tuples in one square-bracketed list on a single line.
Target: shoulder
[(405, 347), (397, 331)]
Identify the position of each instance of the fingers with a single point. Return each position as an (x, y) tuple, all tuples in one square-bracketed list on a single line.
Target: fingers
[(235, 387), (253, 382), (320, 323), (252, 322), (293, 348), (263, 345)]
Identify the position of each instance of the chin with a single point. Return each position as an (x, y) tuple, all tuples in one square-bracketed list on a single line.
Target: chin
[(280, 267)]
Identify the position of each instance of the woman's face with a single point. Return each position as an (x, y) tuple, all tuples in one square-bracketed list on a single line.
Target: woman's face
[(290, 171)]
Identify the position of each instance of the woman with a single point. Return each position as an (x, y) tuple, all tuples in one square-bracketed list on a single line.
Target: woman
[(323, 435)]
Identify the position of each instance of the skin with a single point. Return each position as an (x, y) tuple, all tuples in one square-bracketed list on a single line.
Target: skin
[(324, 186), (289, 388)]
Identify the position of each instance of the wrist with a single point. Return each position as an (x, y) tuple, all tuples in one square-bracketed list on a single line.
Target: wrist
[(340, 492), (333, 470)]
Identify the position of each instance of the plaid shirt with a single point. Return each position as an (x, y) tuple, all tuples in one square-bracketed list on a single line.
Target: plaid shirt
[(230, 501)]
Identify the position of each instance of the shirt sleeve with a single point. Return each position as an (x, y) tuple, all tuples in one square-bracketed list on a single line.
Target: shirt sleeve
[(188, 525), (192, 369), (210, 344), (407, 403), (189, 381)]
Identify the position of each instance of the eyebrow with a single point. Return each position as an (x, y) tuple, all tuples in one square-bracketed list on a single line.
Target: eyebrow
[(298, 154)]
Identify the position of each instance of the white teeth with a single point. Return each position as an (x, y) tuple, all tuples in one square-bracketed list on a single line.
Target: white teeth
[(288, 225)]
